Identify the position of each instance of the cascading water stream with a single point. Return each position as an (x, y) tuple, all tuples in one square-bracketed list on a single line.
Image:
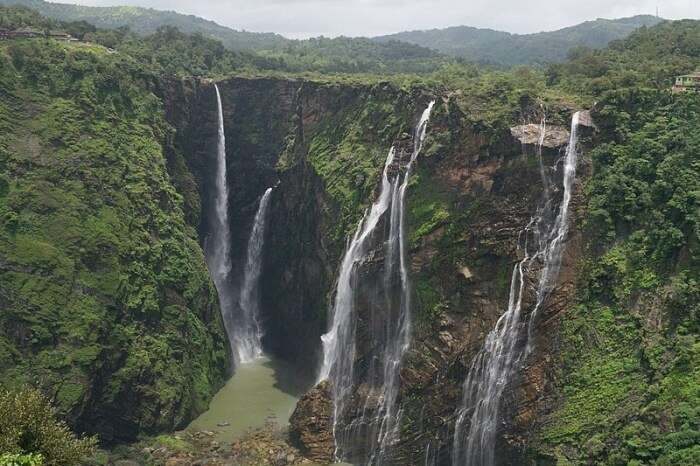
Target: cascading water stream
[(339, 345), (248, 333), (554, 247), (241, 322), (541, 243), (217, 247)]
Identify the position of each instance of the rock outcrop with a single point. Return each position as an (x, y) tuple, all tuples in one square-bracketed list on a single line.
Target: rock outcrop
[(311, 425), (475, 189), (529, 135)]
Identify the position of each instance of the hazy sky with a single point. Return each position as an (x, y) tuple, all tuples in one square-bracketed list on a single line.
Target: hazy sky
[(305, 18)]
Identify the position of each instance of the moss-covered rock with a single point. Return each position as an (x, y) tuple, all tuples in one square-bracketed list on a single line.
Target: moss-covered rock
[(106, 301)]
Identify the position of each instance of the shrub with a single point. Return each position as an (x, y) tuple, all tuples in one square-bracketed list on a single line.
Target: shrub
[(31, 435), (12, 459)]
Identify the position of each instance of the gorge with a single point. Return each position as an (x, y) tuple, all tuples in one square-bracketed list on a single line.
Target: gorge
[(467, 268), (370, 364)]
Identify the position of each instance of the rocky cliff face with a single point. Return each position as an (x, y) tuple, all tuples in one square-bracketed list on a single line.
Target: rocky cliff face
[(321, 147), (475, 188), (475, 191)]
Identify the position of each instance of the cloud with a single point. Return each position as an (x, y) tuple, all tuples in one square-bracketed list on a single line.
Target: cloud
[(304, 18)]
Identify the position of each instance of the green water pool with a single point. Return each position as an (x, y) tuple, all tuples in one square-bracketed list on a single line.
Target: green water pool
[(260, 391)]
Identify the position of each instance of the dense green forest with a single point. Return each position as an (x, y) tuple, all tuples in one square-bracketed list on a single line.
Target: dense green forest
[(487, 46), (101, 272), (384, 54), (146, 21), (91, 223)]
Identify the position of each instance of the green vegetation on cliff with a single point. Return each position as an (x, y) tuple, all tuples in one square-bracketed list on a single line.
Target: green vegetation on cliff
[(30, 434), (107, 304), (631, 355), (630, 374)]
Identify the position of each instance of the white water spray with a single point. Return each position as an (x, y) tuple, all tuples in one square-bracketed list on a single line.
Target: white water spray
[(217, 247), (339, 346), (541, 242), (248, 333)]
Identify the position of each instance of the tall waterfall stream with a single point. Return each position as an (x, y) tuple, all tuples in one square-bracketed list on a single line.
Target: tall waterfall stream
[(262, 388), (248, 332), (541, 244), (377, 424)]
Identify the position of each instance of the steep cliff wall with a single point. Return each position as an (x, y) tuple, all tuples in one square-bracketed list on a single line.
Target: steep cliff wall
[(476, 191), (476, 186), (487, 188), (105, 300), (322, 147)]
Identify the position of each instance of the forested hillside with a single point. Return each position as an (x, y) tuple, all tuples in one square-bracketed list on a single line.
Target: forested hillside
[(487, 46), (146, 21), (396, 52), (102, 280)]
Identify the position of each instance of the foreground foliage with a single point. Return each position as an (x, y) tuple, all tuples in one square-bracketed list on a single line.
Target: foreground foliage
[(30, 434)]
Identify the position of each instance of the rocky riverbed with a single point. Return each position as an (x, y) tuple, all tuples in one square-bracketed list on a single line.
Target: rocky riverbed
[(265, 446)]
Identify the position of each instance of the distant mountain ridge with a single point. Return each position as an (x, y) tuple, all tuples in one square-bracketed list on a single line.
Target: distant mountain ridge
[(147, 21), (483, 46), (488, 46)]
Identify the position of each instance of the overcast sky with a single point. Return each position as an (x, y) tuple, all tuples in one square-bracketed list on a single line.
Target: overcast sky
[(306, 18)]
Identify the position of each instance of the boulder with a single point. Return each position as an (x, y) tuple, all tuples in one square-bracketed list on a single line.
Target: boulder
[(529, 135), (585, 119), (311, 424)]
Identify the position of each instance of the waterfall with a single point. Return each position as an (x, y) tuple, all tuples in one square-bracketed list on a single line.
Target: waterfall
[(394, 327), (247, 334), (217, 247), (541, 244), (242, 326)]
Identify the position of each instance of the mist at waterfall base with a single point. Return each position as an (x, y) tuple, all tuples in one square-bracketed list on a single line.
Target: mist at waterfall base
[(541, 244), (367, 435)]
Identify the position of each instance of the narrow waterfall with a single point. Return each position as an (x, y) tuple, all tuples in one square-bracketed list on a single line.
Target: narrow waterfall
[(217, 247), (541, 244), (247, 334), (378, 421)]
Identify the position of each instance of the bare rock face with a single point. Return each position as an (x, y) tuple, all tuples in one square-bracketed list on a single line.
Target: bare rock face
[(529, 135), (586, 119), (311, 424)]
